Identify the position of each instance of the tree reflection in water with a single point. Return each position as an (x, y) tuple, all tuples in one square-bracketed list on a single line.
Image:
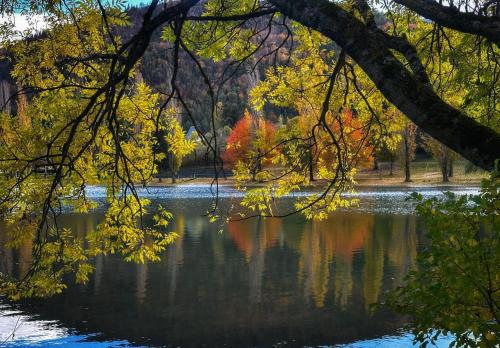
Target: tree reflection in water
[(259, 282)]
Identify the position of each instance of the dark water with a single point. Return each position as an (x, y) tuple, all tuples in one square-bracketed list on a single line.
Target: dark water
[(258, 283)]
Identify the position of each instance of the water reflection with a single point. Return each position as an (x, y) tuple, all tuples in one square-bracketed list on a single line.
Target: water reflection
[(326, 252), (259, 282)]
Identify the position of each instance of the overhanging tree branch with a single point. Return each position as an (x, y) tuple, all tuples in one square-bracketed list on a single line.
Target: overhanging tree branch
[(451, 17), (416, 99)]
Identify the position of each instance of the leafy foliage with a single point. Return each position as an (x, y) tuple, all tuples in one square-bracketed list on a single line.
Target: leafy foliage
[(249, 135), (75, 145), (90, 120), (456, 286), (178, 145)]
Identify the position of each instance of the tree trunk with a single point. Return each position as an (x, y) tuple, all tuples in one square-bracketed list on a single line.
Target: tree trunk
[(311, 171), (407, 160), (195, 165), (259, 162), (311, 165), (174, 168), (391, 173), (408, 90), (444, 164), (407, 171), (375, 161), (450, 168)]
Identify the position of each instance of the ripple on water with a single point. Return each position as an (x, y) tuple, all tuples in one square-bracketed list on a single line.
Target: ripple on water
[(20, 330), (381, 200), (207, 191)]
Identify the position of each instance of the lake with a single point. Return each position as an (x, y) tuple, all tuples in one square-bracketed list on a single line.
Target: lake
[(257, 283)]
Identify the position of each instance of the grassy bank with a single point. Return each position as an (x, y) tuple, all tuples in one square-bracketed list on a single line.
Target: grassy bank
[(424, 173)]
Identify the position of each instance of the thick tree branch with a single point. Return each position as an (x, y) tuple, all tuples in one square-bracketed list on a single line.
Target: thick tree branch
[(416, 99), (451, 17), (240, 17), (409, 51)]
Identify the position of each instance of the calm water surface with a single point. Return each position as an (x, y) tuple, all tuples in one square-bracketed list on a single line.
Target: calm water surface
[(258, 283)]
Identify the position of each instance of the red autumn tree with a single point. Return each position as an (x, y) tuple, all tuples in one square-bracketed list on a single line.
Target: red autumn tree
[(352, 137), (357, 138), (249, 138)]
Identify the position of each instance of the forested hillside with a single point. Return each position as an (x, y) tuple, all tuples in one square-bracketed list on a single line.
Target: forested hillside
[(232, 95), (156, 70)]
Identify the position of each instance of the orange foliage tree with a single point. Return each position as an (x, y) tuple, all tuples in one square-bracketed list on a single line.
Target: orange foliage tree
[(250, 140), (352, 137)]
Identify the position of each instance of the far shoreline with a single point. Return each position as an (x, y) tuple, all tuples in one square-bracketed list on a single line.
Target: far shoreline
[(370, 180)]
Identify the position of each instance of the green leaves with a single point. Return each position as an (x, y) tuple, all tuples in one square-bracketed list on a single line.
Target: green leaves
[(456, 286), (226, 39), (68, 137), (162, 217), (61, 253), (123, 231), (178, 145)]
